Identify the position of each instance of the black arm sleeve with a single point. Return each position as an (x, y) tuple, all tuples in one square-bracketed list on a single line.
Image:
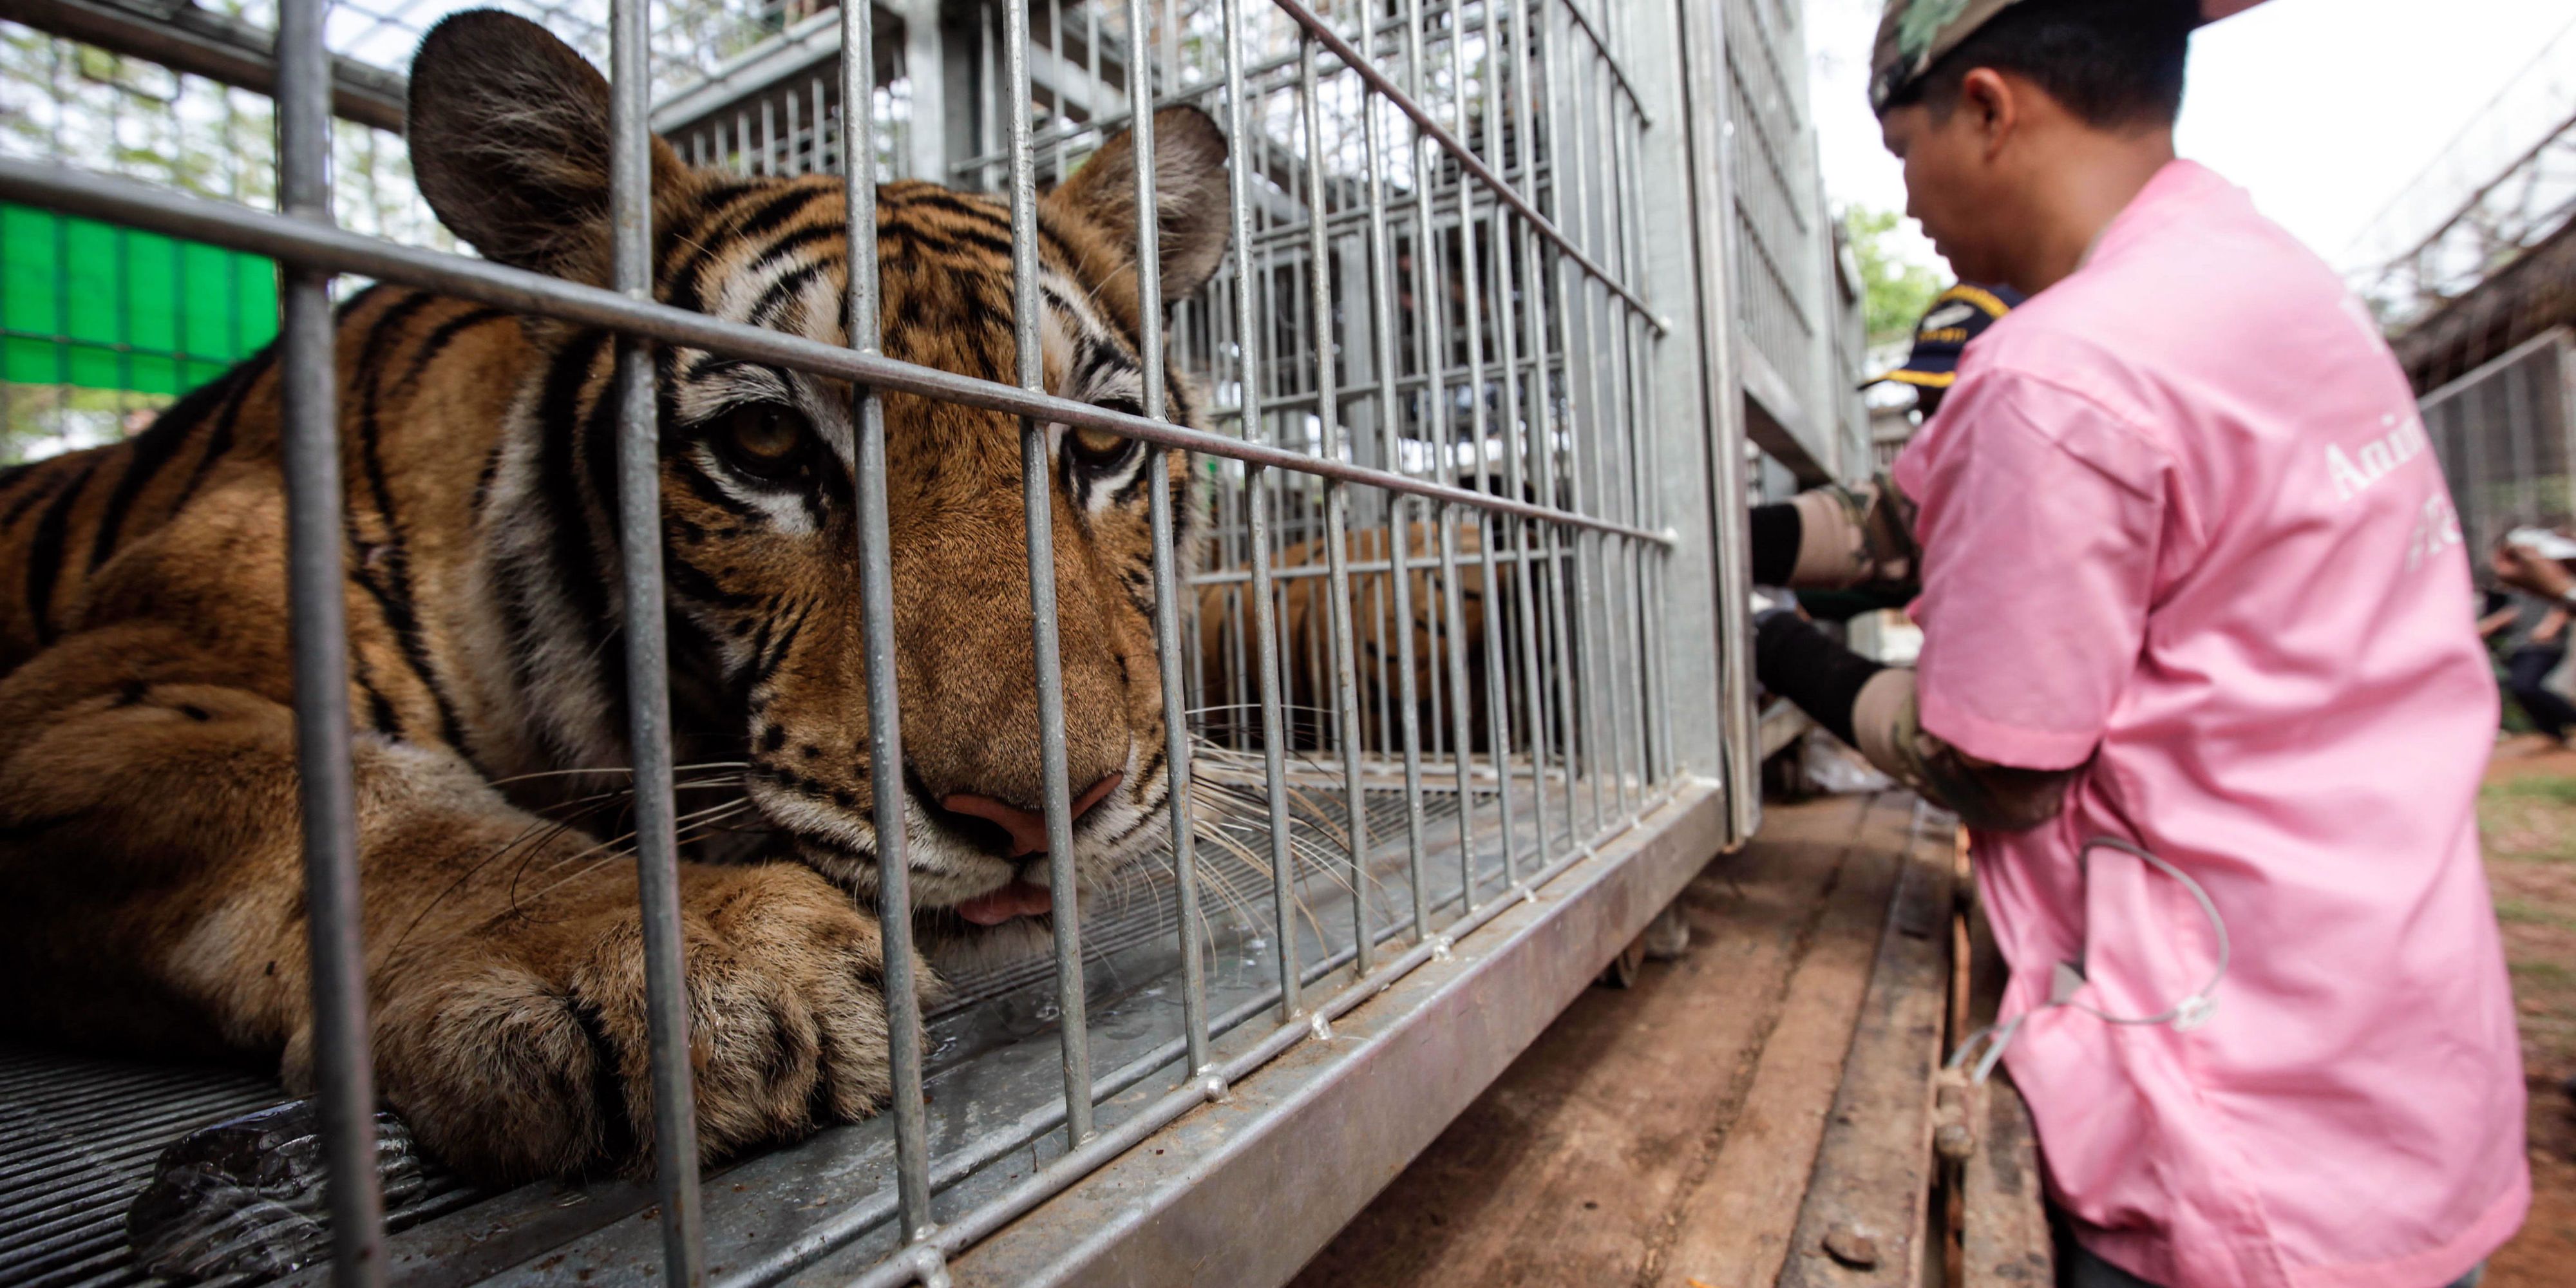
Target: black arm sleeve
[(1776, 533), (1794, 659)]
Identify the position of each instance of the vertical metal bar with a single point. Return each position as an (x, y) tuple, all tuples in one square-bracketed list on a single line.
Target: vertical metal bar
[(1059, 121), (1498, 719), (1513, 306), (1628, 341), (308, 386), (876, 625), (1711, 175), (866, 150), (1399, 535), (1595, 601), (1257, 516), (1337, 572), (1037, 489), (1431, 284), (794, 166), (648, 709), (1158, 494), (1651, 566), (990, 108), (1583, 426), (1536, 298), (1566, 152)]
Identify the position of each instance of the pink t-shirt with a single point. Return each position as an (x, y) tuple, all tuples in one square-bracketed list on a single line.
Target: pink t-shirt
[(2181, 527)]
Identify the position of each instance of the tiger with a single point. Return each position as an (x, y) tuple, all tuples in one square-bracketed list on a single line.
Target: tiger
[(149, 828)]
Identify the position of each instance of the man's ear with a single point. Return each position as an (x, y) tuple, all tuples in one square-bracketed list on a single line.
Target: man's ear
[(1189, 196), (1994, 105), (509, 143)]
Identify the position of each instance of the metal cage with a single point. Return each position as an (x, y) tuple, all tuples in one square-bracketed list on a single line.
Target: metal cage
[(1505, 281), (2506, 436)]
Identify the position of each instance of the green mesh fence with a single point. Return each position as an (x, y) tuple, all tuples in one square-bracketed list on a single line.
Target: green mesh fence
[(96, 306)]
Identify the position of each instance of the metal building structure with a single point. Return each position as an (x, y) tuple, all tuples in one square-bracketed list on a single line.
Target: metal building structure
[(2499, 187), (2506, 436), (1461, 342)]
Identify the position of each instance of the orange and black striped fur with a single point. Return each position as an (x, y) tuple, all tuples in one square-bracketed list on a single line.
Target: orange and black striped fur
[(149, 836)]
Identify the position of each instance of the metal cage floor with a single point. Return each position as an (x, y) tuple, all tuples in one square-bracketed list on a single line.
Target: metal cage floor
[(80, 1134)]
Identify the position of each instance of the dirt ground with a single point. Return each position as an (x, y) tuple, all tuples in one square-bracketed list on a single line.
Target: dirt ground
[(2528, 815)]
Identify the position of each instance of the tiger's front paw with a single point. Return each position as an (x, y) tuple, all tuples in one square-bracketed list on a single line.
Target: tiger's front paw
[(522, 1050)]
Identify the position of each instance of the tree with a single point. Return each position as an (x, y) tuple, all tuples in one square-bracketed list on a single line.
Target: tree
[(1896, 289)]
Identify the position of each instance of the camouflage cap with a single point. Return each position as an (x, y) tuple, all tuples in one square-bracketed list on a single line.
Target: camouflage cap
[(1914, 34)]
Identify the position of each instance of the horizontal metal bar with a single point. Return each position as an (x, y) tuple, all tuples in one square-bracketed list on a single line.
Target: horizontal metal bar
[(221, 48), (1466, 156), (293, 241)]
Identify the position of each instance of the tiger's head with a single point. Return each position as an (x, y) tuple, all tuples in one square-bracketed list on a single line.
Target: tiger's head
[(509, 132)]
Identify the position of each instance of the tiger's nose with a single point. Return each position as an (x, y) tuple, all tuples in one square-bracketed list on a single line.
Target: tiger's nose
[(1027, 828)]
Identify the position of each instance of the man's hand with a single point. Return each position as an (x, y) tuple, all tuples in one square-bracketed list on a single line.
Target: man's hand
[(1836, 688), (2528, 570)]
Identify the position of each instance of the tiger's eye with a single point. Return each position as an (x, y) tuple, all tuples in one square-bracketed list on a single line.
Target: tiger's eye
[(763, 433), (1099, 446)]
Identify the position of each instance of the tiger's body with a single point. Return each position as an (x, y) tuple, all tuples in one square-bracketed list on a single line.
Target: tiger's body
[(1228, 661), (149, 833)]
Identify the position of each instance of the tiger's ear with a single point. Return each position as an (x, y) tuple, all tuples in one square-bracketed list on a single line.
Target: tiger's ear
[(509, 142), (1189, 196)]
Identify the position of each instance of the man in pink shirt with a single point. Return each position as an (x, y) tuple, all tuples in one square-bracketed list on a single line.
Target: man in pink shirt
[(2197, 654)]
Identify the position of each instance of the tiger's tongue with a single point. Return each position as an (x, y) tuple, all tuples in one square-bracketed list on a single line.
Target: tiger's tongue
[(1018, 899)]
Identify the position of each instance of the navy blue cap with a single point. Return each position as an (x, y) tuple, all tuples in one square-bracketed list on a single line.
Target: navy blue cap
[(1957, 316)]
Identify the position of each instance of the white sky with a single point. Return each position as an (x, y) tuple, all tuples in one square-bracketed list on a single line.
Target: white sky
[(2323, 109)]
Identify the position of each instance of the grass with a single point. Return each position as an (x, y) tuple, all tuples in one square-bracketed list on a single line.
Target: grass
[(2529, 912), (2538, 787), (2530, 818), (2527, 818)]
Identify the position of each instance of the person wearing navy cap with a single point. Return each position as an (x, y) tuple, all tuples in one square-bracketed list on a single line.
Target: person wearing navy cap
[(1849, 536), (1957, 316)]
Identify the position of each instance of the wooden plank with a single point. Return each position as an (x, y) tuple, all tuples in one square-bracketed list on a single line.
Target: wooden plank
[(2004, 1236), (1864, 1220), (1732, 1226), (2004, 1231), (1568, 1169)]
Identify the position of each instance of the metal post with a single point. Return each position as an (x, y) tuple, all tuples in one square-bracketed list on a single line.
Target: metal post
[(876, 624), (316, 585), (1712, 186), (1037, 488), (648, 709)]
